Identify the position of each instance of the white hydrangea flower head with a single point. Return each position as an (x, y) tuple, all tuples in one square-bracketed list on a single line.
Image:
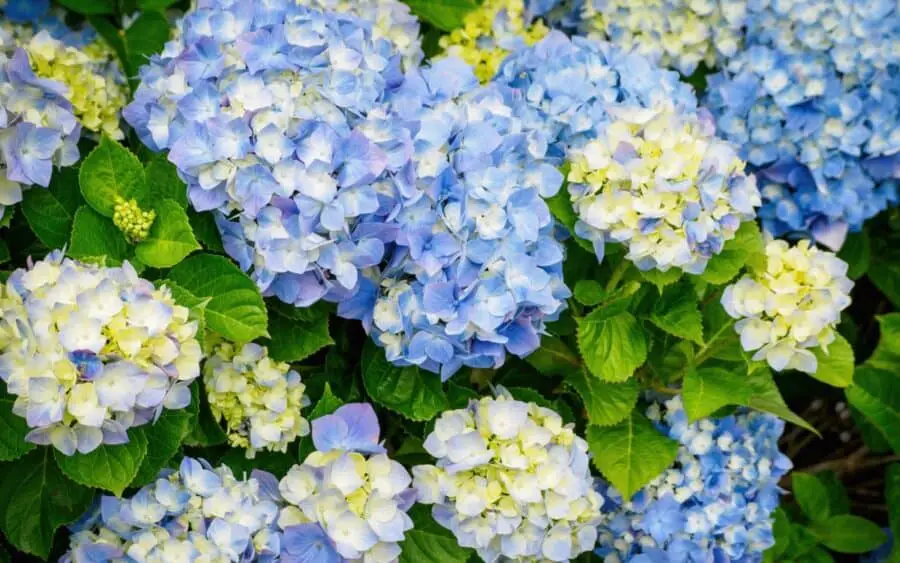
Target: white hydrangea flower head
[(259, 398), (660, 182), (511, 481), (90, 352), (792, 306)]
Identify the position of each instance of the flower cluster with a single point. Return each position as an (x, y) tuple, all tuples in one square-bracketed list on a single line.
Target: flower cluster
[(90, 352), (511, 481), (259, 399), (390, 19), (792, 306), (490, 32), (134, 222), (194, 514), (272, 115), (663, 185), (474, 271), (826, 152), (348, 500), (715, 502), (680, 34)]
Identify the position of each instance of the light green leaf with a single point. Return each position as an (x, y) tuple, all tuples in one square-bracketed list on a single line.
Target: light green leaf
[(12, 431), (747, 247), (857, 253), (707, 390), (781, 529), (146, 35), (327, 404), (554, 357), (236, 309), (846, 533), (170, 239), (95, 239), (561, 207), (876, 394), (51, 212), (415, 394), (766, 397), (445, 15), (162, 177), (39, 499), (662, 279), (588, 292), (887, 353), (429, 542), (606, 403), (811, 495), (612, 347), (294, 340), (836, 367), (631, 453), (678, 313), (110, 171), (164, 439), (110, 468)]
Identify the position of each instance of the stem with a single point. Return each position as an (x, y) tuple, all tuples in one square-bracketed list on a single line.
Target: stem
[(617, 274)]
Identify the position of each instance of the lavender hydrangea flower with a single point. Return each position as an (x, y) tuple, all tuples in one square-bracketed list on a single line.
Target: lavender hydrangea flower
[(273, 115), (474, 271), (714, 504), (90, 352)]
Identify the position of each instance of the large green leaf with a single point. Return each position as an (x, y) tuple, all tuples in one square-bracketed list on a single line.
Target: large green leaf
[(410, 391), (746, 248), (892, 499), (111, 468), (112, 171), (206, 431), (885, 273), (708, 389), (887, 353), (146, 36), (206, 231), (170, 239), (606, 403), (445, 15), (164, 439), (295, 339), (846, 533), (39, 499), (812, 496), (876, 394), (561, 207), (236, 309), (631, 453), (12, 431), (857, 253), (554, 357), (836, 366), (429, 542), (612, 346), (678, 313), (766, 397), (90, 6), (51, 212), (162, 177), (95, 239)]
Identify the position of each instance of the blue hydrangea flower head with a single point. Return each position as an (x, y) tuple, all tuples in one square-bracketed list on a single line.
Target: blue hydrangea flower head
[(24, 11), (90, 352), (352, 427), (473, 271), (714, 504), (273, 115), (196, 513)]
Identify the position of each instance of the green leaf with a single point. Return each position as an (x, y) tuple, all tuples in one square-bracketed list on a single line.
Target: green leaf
[(445, 15), (295, 340), (155, 4), (111, 468), (327, 404), (662, 279), (708, 389), (612, 347), (631, 453), (96, 239), (162, 177), (876, 394), (747, 247), (276, 463), (4, 252), (857, 253), (146, 35), (561, 207), (170, 239), (838, 500), (164, 439), (39, 499), (90, 6), (415, 394), (206, 231), (892, 499), (588, 292), (236, 309), (887, 354), (554, 357), (811, 495), (766, 397), (848, 534), (459, 396), (429, 542), (678, 313), (885, 274), (206, 431), (781, 529), (13, 429), (836, 367), (51, 212), (109, 171), (606, 403)]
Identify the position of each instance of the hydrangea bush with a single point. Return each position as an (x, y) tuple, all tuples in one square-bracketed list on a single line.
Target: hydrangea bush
[(408, 281)]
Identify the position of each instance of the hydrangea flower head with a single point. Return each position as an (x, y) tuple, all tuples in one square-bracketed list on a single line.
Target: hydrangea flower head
[(346, 505), (134, 222), (511, 481), (24, 11), (198, 513), (391, 20), (272, 114), (259, 399), (474, 270), (90, 352), (490, 32), (714, 504), (791, 307), (824, 146), (664, 186)]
